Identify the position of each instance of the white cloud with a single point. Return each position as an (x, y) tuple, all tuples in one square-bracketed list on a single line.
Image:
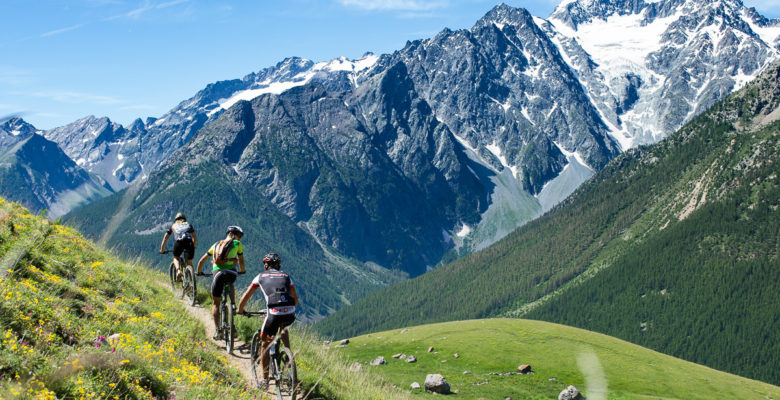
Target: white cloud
[(404, 5), (76, 97), (63, 30), (148, 6)]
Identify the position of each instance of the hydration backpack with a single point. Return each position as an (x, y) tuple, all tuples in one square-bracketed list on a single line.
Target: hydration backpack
[(181, 231), (221, 251), (276, 285)]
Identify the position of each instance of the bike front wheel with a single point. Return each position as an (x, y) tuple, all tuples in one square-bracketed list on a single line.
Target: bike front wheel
[(287, 382), (172, 276), (189, 288), (254, 365)]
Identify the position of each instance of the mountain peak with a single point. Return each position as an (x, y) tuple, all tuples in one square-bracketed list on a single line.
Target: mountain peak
[(504, 14)]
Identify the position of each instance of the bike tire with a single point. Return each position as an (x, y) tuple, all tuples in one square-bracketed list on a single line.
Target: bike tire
[(172, 276), (189, 288), (287, 384), (254, 360), (227, 324)]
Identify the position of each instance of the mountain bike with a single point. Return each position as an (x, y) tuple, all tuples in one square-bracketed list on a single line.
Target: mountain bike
[(188, 286), (282, 372), (226, 311)]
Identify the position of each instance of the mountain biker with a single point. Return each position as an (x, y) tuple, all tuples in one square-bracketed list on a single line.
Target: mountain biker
[(225, 272), (280, 299), (185, 241)]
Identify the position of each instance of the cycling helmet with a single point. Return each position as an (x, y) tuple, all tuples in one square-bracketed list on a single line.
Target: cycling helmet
[(235, 229), (272, 259), (180, 215)]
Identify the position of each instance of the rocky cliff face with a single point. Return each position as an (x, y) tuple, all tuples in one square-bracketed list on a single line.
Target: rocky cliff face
[(35, 172)]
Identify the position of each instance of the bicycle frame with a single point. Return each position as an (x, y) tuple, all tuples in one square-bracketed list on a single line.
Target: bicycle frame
[(282, 370)]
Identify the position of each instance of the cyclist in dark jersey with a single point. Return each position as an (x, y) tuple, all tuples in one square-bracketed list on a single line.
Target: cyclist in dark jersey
[(184, 242), (280, 299), (224, 273)]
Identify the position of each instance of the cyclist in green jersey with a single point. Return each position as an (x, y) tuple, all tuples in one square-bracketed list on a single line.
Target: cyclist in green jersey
[(224, 272)]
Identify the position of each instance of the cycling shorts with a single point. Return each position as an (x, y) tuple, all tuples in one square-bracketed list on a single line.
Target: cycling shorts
[(184, 247), (220, 279), (276, 322)]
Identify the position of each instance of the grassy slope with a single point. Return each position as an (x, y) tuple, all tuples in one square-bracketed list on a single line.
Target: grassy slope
[(559, 356), (60, 295)]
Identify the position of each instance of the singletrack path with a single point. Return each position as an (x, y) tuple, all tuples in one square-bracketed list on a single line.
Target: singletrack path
[(239, 358)]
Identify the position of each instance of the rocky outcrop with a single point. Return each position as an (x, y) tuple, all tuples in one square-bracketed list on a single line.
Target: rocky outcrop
[(437, 384)]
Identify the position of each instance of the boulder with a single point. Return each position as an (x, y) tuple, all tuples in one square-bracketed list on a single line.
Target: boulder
[(411, 359), (456, 355), (378, 361), (399, 355), (436, 383), (524, 369), (344, 342), (356, 367), (430, 349), (570, 393), (415, 385)]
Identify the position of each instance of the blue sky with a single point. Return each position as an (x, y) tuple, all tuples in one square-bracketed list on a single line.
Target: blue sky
[(66, 59)]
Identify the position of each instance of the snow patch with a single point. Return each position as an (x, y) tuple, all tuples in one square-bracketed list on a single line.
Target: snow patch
[(493, 148), (464, 231), (573, 155)]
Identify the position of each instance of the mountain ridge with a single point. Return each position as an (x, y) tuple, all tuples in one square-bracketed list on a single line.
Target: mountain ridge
[(653, 249)]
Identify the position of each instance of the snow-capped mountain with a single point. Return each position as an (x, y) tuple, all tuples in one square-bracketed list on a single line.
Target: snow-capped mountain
[(120, 155), (35, 172), (650, 66), (479, 129)]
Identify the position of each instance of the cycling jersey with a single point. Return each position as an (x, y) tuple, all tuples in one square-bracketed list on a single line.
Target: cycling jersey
[(181, 231), (276, 286), (233, 254)]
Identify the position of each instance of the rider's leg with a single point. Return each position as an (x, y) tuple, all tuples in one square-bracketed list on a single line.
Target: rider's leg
[(286, 338), (265, 345), (215, 300), (233, 295), (177, 263)]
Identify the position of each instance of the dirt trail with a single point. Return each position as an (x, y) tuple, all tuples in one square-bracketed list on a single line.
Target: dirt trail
[(239, 358)]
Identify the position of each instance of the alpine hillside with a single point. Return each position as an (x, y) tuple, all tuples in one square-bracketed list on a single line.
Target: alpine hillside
[(673, 246)]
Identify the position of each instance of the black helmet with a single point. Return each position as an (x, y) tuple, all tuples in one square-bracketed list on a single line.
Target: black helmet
[(235, 229), (180, 215), (272, 259)]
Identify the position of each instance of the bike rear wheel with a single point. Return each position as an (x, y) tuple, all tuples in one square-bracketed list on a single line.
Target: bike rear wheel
[(287, 381), (189, 288), (254, 364), (172, 276), (227, 323)]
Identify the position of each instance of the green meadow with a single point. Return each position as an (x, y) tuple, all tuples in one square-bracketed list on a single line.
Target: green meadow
[(601, 367)]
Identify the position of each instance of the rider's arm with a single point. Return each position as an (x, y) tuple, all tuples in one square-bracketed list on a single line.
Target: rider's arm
[(165, 239), (202, 261), (241, 265), (245, 297), (294, 295), (194, 240)]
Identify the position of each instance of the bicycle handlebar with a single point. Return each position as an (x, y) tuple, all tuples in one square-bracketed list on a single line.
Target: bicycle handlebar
[(253, 313), (205, 274)]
